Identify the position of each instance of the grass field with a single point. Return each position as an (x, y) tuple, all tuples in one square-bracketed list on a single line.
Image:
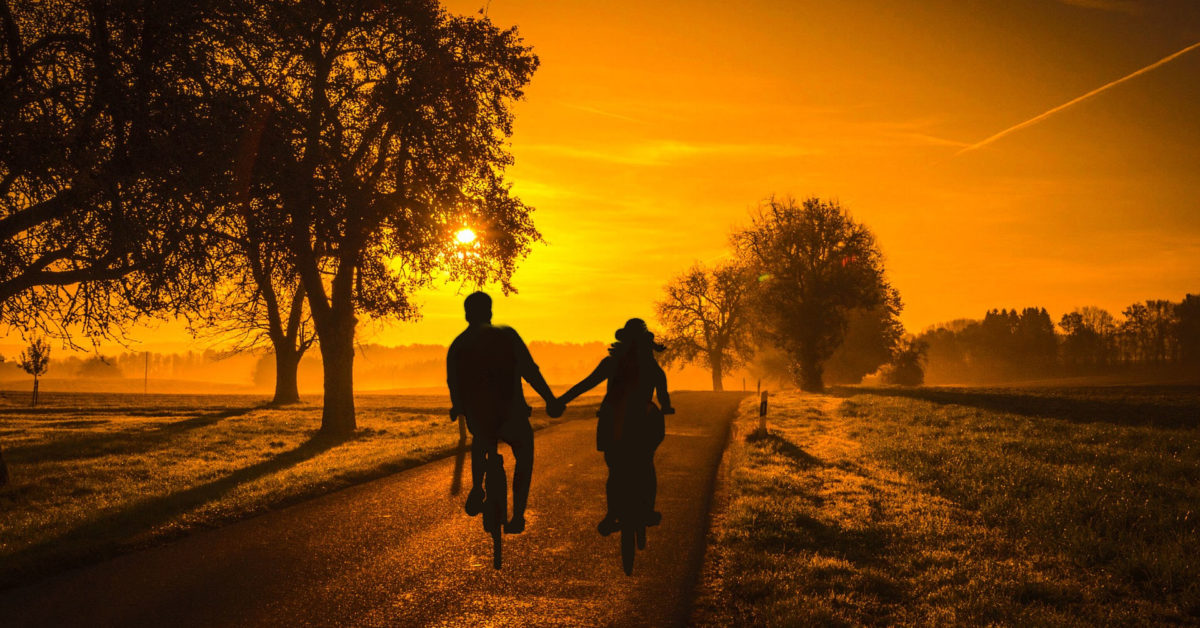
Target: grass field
[(961, 506), (98, 474)]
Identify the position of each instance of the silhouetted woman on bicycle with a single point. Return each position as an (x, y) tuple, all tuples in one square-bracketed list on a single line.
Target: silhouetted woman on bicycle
[(630, 426)]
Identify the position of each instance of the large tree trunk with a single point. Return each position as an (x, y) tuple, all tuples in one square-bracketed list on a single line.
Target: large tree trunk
[(717, 372), (337, 352), (287, 389), (812, 373)]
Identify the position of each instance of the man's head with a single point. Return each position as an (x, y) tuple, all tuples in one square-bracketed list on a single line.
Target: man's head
[(478, 306)]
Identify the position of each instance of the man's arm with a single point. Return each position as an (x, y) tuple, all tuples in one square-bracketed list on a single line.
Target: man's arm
[(529, 370)]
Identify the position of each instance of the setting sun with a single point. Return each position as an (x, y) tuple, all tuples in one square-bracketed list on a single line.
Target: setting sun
[(465, 236)]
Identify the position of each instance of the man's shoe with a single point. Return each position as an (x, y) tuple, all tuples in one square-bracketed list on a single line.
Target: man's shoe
[(607, 526), (475, 502), (516, 525), (653, 518)]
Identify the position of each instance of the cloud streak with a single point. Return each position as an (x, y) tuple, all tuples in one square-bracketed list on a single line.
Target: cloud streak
[(1038, 118)]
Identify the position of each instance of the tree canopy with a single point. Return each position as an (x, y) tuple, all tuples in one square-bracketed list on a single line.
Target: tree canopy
[(385, 127), (107, 161), (815, 264)]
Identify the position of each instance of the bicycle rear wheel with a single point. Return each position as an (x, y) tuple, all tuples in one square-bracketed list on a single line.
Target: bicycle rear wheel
[(496, 503), (497, 542), (628, 547)]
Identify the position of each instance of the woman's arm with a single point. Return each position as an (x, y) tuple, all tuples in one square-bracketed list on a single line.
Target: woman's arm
[(602, 372)]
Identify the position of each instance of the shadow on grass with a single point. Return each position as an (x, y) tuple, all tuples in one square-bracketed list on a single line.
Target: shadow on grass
[(104, 536), (784, 447), (1106, 407), (864, 548), (122, 441)]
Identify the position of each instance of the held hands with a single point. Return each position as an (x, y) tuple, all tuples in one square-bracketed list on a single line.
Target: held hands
[(555, 408)]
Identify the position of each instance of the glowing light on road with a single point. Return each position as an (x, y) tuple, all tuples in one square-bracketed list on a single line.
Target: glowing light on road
[(465, 236)]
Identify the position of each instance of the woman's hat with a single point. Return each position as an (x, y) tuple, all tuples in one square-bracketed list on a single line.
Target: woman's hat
[(634, 329)]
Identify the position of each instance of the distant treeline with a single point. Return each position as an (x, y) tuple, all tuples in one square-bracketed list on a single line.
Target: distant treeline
[(1158, 336), (377, 367)]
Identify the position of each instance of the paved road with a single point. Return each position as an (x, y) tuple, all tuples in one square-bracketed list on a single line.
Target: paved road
[(400, 552)]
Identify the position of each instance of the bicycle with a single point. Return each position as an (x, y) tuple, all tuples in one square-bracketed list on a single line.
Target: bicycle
[(635, 469), (495, 502)]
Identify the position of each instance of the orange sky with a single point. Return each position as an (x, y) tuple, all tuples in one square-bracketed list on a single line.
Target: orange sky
[(653, 127)]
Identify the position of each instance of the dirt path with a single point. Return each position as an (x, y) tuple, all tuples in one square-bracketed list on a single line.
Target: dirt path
[(399, 551)]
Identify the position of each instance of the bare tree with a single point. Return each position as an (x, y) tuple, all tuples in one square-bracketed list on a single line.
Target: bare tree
[(35, 360), (705, 315), (262, 303), (387, 132), (254, 312)]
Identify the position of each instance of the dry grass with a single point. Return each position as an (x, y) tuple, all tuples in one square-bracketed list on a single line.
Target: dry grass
[(929, 508), (95, 475)]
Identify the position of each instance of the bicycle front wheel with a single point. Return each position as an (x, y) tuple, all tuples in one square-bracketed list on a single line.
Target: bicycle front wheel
[(628, 547)]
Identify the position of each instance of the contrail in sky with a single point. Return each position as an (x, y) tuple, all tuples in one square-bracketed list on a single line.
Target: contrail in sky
[(1034, 120)]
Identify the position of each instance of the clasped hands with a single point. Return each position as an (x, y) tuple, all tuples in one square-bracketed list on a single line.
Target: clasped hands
[(555, 408)]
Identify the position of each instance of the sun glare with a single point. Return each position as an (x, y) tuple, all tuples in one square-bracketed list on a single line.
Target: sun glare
[(465, 236)]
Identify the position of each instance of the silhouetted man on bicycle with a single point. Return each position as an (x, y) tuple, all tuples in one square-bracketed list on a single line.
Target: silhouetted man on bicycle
[(484, 369)]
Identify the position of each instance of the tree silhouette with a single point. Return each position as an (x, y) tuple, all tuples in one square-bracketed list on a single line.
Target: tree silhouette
[(391, 120), (257, 310), (35, 360), (815, 264), (1011, 344), (106, 161), (906, 368), (261, 302), (705, 313), (1187, 315), (1147, 331), (1088, 340), (1037, 345)]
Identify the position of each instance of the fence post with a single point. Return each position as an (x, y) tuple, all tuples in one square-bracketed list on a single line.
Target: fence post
[(762, 413)]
